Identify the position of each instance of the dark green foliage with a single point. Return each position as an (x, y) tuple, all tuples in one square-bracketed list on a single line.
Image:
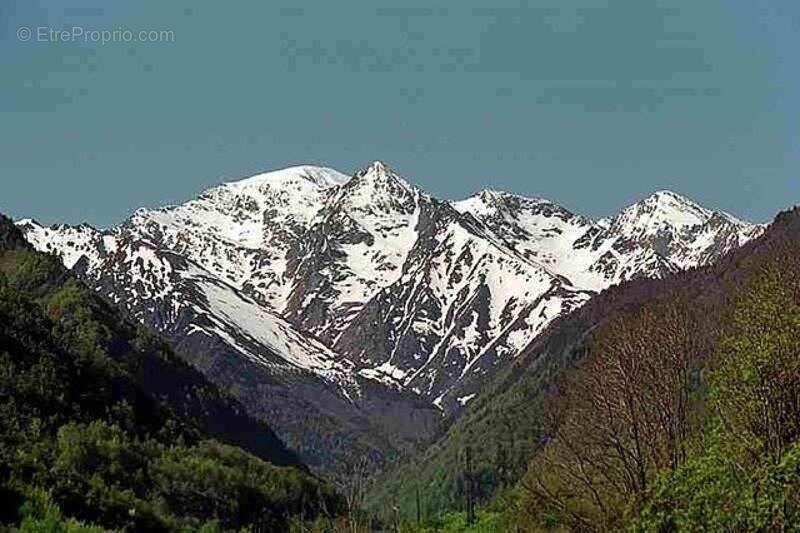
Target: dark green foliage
[(218, 480), (40, 514), (101, 424)]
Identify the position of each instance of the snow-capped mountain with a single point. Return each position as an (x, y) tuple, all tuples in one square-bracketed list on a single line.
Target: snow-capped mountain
[(369, 280), (243, 231), (662, 233)]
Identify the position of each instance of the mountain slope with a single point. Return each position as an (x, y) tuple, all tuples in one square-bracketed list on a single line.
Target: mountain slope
[(163, 375), (96, 411), (463, 305), (312, 397), (357, 244)]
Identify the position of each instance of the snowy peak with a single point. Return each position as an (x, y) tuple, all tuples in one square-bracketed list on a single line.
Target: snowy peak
[(668, 215), (663, 209), (493, 196), (664, 233), (238, 210), (322, 177), (503, 198), (376, 168), (483, 202), (385, 186), (491, 202), (667, 209), (242, 231)]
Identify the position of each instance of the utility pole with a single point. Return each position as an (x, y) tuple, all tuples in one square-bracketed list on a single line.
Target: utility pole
[(468, 487), (419, 511), (396, 509)]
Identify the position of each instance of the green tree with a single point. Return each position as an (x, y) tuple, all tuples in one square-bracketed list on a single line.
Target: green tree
[(746, 474), (755, 389)]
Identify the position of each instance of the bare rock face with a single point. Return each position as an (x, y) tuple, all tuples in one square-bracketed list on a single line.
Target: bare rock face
[(342, 309)]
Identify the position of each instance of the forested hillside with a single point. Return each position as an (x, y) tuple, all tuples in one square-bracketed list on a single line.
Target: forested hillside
[(663, 405), (686, 413), (101, 423)]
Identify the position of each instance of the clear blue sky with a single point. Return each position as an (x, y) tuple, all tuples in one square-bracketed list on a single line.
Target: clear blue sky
[(591, 103)]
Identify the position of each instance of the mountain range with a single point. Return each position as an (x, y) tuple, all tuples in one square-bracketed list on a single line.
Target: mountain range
[(352, 313)]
